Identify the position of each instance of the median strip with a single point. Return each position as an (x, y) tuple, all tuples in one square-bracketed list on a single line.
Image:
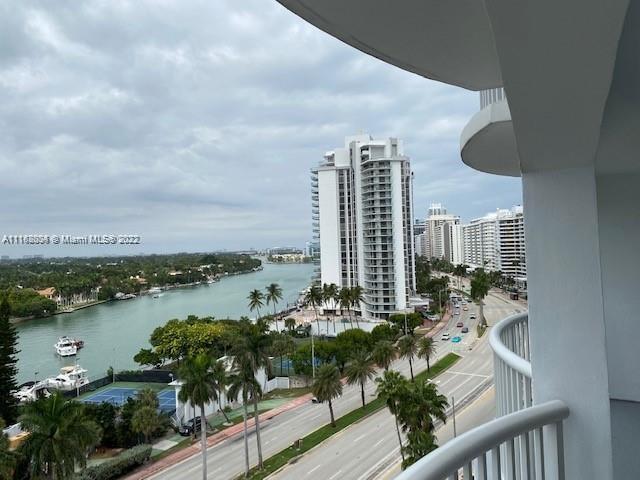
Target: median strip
[(282, 458)]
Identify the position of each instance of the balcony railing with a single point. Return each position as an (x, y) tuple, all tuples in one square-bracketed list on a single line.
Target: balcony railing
[(522, 445), (525, 441)]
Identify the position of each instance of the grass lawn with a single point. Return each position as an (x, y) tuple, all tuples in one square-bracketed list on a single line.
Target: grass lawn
[(315, 438)]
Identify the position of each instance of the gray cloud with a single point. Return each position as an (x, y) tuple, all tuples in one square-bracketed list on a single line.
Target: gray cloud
[(195, 123)]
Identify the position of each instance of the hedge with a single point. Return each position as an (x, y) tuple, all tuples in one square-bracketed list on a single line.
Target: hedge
[(114, 468)]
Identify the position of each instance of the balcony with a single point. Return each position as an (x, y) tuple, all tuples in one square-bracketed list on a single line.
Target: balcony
[(488, 142), (524, 442)]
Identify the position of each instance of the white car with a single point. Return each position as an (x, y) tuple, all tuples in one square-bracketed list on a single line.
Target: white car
[(445, 336)]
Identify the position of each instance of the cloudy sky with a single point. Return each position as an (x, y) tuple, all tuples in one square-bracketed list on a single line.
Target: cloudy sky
[(194, 123)]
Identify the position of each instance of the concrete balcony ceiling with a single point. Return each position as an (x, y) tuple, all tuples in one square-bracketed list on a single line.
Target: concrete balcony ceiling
[(488, 142), (450, 41)]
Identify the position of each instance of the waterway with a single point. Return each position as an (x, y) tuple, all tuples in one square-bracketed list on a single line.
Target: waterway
[(114, 332)]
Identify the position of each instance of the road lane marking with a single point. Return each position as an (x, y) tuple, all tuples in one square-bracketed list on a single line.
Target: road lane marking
[(335, 475), (378, 442), (469, 374), (313, 469), (360, 438)]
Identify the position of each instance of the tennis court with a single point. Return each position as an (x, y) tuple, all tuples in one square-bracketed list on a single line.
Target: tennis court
[(118, 396)]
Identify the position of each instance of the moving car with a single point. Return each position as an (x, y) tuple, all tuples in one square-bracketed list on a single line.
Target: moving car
[(186, 429), (445, 336), (466, 308), (472, 316), (459, 324), (465, 330)]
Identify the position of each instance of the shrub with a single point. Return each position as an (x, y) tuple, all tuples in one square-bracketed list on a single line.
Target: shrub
[(114, 468)]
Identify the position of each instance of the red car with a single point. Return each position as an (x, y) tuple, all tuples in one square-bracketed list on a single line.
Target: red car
[(459, 324)]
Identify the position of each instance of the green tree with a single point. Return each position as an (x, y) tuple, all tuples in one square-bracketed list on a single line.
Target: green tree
[(60, 436), (418, 409), (8, 360), (243, 382), (385, 331), (220, 380), (274, 294), (426, 349), (480, 286), (146, 356), (104, 415), (413, 320), (327, 386), (252, 354), (360, 370), (290, 324), (392, 387), (357, 296), (146, 421), (313, 298), (408, 348), (197, 388), (256, 300), (345, 301), (282, 345), (350, 341), (7, 457), (384, 353)]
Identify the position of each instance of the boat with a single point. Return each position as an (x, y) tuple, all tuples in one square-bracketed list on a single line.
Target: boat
[(31, 391), (66, 347), (155, 290), (70, 377)]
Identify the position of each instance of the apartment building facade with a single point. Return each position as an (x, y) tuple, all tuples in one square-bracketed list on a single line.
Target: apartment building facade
[(365, 222)]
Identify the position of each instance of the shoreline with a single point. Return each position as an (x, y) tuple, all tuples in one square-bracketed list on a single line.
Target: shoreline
[(164, 288)]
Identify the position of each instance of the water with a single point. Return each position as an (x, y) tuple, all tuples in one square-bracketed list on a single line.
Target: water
[(114, 332)]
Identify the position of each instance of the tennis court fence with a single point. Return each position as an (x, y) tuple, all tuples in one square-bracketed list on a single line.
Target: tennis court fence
[(142, 376)]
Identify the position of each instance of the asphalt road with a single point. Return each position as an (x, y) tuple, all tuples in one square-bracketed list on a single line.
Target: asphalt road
[(226, 460)]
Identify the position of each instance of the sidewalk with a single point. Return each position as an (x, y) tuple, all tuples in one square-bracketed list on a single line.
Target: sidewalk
[(184, 454)]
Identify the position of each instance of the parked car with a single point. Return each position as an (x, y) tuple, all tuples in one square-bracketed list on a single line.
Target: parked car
[(465, 330), (459, 324), (445, 336), (314, 400), (432, 317), (186, 429)]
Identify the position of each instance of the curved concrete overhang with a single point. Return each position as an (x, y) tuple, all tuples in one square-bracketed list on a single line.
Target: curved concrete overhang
[(449, 41), (488, 142)]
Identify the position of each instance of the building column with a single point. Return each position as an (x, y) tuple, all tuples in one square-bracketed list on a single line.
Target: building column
[(567, 316)]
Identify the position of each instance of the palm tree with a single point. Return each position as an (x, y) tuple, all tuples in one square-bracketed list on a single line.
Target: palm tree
[(392, 386), (313, 298), (384, 353), (220, 381), (256, 298), (290, 323), (426, 349), (7, 458), (148, 397), (145, 420), (327, 386), (345, 301), (408, 348), (360, 369), (60, 435), (480, 286), (274, 293), (252, 353), (197, 388), (335, 298), (326, 297), (243, 382), (357, 296)]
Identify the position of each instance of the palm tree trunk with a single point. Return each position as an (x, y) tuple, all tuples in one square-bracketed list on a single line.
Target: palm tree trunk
[(333, 422), (317, 321), (203, 435), (350, 320), (399, 437), (257, 422), (246, 438), (362, 393), (411, 368), (428, 366), (327, 325), (222, 410), (275, 318)]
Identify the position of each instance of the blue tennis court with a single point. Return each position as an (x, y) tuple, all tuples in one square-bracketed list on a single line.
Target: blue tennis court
[(118, 396)]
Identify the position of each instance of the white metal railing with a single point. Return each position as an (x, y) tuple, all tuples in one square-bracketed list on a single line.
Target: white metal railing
[(522, 445), (491, 95), (509, 340)]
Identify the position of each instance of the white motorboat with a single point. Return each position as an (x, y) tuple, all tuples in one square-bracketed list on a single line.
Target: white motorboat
[(31, 391), (66, 347), (69, 378)]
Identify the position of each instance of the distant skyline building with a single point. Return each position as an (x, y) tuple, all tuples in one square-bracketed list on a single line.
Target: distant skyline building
[(361, 197), (496, 242), (443, 238)]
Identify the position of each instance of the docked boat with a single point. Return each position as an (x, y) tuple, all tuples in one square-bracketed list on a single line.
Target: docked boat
[(69, 378), (31, 391), (66, 347)]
